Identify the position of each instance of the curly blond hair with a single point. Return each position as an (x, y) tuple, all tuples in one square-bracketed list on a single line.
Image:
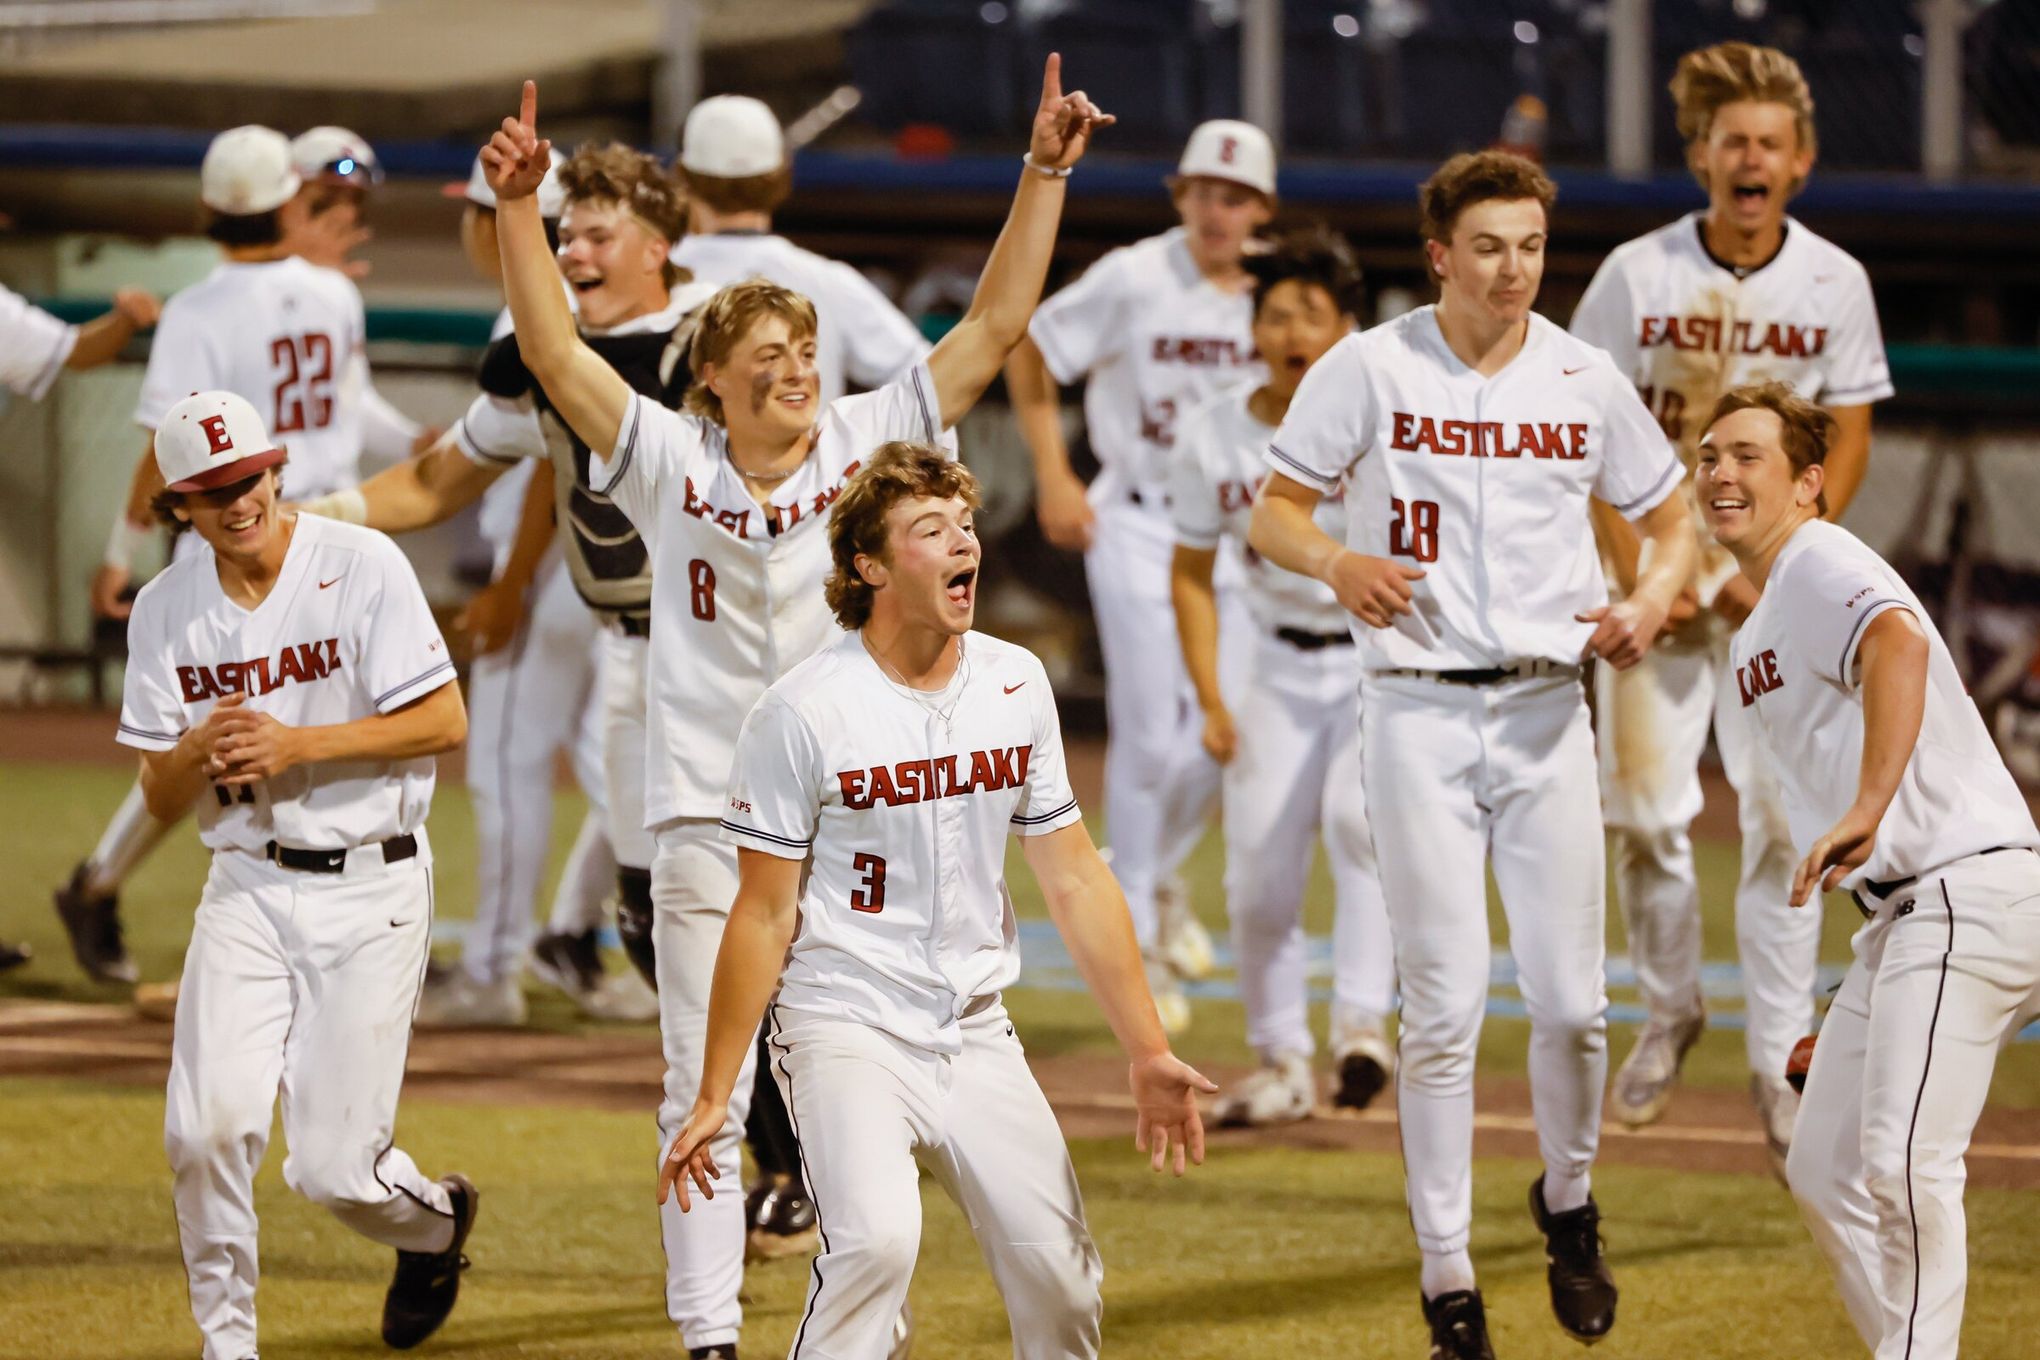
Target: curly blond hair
[(895, 472), (1736, 72)]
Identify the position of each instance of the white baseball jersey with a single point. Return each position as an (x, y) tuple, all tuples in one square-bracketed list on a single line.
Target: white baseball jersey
[(33, 345), (345, 633), (736, 586), (861, 335), (1481, 482), (287, 337), (1796, 666), (904, 800), (1220, 462), (1155, 337)]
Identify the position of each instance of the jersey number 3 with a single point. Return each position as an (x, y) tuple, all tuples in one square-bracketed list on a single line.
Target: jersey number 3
[(303, 368), (871, 895), (1414, 530)]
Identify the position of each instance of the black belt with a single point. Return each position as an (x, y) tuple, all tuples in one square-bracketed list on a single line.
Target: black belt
[(1489, 675), (1313, 642), (394, 850), (1134, 494), (634, 625), (1883, 888)]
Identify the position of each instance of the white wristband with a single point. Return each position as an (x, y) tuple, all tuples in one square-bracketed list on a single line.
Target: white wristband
[(1049, 170), (348, 505), (127, 538)]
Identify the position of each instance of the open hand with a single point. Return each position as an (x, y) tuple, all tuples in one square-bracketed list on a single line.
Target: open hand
[(516, 159), (1842, 850), (1373, 589), (1165, 1103), (690, 1157), (1063, 123)]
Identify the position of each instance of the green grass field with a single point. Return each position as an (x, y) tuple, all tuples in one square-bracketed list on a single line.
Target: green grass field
[(1265, 1251)]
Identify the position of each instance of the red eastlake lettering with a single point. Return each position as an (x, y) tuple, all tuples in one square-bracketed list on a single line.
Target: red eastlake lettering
[(304, 662), (1758, 676), (1705, 333), (1488, 438), (1201, 351), (917, 781), (738, 522)]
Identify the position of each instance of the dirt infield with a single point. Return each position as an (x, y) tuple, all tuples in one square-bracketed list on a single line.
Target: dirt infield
[(619, 1069)]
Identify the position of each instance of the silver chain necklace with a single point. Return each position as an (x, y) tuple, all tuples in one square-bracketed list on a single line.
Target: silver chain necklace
[(921, 696)]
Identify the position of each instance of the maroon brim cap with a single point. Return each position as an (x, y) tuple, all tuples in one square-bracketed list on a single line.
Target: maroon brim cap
[(226, 474)]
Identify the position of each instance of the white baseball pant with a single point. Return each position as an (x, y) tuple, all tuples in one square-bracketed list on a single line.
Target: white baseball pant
[(304, 983), (1458, 777), (625, 748), (525, 702), (694, 881), (1946, 974), (1295, 776), (867, 1107), (1160, 786)]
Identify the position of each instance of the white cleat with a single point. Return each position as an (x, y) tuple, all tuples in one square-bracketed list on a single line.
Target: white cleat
[(1778, 1108), (1643, 1087), (1171, 1006), (1282, 1092), (622, 998), (1185, 943), (459, 1002)]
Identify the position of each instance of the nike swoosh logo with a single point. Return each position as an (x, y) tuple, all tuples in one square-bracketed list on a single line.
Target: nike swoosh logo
[(1010, 688), (1568, 372), (324, 584)]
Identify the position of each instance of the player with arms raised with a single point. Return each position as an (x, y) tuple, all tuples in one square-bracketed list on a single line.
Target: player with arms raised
[(1468, 436), (732, 495), (895, 762), (1735, 293), (1894, 791), (287, 677)]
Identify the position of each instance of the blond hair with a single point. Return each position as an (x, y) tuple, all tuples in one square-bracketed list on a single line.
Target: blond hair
[(1806, 429), (1735, 73), (895, 472), (726, 319)]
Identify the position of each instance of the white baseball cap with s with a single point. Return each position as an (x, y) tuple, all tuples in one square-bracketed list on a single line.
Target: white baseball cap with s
[(247, 170), (732, 136), (1228, 149), (212, 439)]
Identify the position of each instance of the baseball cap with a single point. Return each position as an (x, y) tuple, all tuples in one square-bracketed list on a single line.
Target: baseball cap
[(247, 170), (336, 156), (1228, 149), (211, 439), (732, 136), (552, 199)]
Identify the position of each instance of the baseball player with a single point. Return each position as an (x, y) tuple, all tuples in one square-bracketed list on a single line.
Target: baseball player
[(1155, 327), (1468, 436), (730, 494), (873, 789), (1292, 768), (733, 161), (287, 678), (1894, 791), (1734, 293), (280, 332), (34, 347), (620, 214)]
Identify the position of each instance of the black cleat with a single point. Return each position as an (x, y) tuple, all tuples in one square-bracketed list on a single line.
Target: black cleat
[(14, 955), (572, 963), (726, 1351), (93, 924), (1582, 1289), (634, 914), (1361, 1079), (428, 1282), (781, 1218), (1458, 1326)]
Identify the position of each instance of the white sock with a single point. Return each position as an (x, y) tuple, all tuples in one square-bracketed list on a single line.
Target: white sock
[(129, 837), (1563, 1190), (1446, 1272)]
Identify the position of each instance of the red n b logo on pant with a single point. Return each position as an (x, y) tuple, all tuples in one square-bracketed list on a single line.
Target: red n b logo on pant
[(215, 428)]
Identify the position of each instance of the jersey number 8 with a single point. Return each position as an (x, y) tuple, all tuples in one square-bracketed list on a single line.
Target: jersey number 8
[(303, 368)]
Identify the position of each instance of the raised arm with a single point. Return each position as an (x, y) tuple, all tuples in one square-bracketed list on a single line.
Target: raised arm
[(969, 357), (588, 394), (105, 336), (754, 943)]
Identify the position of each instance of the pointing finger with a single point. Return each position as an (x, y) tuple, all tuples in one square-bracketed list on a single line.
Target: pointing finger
[(1051, 81), (527, 111)]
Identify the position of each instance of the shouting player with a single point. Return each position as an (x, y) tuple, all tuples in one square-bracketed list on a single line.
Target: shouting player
[(1468, 436), (1156, 327), (1893, 790), (1734, 293), (873, 791), (287, 677), (1293, 766), (731, 494)]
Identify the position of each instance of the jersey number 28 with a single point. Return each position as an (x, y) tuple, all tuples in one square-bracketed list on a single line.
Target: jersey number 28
[(1414, 530), (303, 368)]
